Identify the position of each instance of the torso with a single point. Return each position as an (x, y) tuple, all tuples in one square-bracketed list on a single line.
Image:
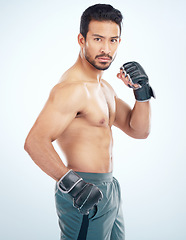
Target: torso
[(87, 141)]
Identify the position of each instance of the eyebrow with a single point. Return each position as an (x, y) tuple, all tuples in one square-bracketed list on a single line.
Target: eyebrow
[(97, 35)]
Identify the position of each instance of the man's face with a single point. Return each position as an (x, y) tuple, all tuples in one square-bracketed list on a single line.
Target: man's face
[(101, 43)]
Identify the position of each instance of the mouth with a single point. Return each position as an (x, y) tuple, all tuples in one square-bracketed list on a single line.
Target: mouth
[(104, 59)]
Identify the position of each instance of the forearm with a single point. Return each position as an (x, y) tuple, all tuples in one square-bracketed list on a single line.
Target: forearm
[(140, 119), (44, 155)]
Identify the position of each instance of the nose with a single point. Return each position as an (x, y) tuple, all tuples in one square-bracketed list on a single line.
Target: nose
[(105, 48)]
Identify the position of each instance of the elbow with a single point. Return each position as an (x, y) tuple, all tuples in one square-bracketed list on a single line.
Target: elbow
[(33, 142), (144, 135), (140, 133), (27, 144)]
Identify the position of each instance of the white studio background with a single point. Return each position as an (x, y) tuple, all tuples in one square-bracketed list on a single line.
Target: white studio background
[(38, 43)]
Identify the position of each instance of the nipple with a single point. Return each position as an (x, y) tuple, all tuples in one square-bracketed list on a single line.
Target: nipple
[(102, 121)]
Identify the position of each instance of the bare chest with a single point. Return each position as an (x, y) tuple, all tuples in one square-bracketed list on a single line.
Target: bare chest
[(99, 108)]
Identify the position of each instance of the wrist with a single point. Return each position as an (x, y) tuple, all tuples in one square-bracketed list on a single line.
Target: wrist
[(68, 181), (62, 173), (144, 93)]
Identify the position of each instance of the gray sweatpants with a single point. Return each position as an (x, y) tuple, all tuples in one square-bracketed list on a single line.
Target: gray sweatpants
[(104, 222)]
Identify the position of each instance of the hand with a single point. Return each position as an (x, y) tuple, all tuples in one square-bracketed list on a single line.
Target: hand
[(85, 195), (134, 76), (87, 198), (126, 79)]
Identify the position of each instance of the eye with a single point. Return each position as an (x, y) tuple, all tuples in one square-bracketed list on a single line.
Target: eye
[(97, 39), (114, 40)]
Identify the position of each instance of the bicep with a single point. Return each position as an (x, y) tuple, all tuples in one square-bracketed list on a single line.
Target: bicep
[(51, 122), (58, 112)]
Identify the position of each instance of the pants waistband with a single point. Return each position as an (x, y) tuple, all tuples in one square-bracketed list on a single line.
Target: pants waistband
[(96, 177)]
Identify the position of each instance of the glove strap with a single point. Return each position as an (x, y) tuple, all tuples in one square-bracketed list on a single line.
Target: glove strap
[(68, 181), (144, 93)]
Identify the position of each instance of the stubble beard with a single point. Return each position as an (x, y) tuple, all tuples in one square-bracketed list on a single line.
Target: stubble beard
[(93, 62)]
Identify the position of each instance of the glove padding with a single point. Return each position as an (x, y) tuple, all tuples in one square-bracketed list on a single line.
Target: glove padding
[(138, 76), (85, 195)]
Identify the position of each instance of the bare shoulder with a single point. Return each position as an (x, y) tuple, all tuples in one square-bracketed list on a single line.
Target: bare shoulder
[(68, 94), (67, 89)]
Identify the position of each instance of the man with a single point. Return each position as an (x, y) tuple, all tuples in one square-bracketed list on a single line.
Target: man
[(79, 114)]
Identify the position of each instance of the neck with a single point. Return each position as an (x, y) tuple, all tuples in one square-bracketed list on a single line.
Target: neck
[(89, 71)]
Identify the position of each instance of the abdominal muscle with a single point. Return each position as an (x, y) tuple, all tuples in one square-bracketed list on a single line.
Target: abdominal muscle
[(87, 148)]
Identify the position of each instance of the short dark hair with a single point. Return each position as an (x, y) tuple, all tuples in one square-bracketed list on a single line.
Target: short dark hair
[(99, 12)]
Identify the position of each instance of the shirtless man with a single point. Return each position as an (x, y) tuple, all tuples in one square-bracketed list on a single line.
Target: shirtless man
[(79, 114)]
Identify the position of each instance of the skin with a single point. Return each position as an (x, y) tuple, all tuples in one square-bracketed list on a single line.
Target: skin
[(82, 108)]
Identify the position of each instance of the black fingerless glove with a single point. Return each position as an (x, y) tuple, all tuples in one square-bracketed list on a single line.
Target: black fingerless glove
[(138, 76), (85, 195)]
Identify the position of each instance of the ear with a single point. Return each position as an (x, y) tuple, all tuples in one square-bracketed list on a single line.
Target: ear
[(81, 40)]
